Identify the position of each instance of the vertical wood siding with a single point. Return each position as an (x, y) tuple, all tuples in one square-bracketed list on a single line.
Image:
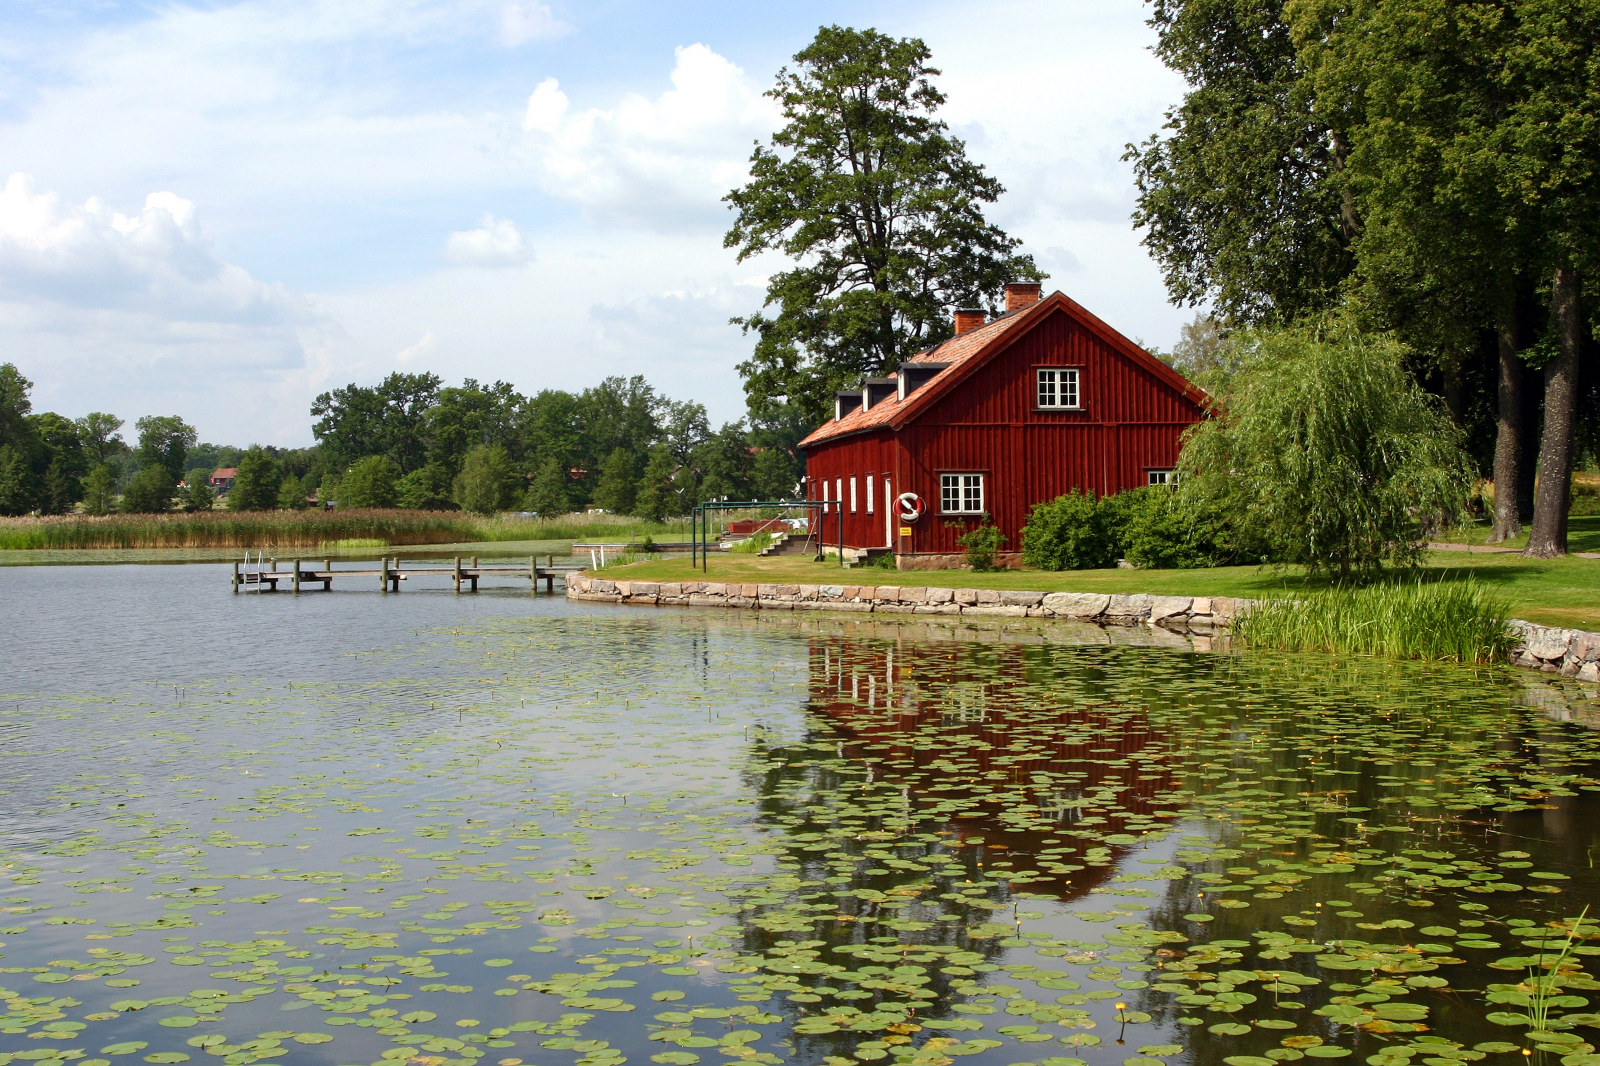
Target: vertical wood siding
[(1131, 422)]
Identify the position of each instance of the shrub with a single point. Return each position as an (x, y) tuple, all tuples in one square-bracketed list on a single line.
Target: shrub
[(1068, 533), (980, 543), (1158, 529), (426, 489)]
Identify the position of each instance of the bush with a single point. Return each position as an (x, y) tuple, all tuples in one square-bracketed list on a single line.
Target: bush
[(1157, 529), (980, 543), (1068, 533), (255, 488)]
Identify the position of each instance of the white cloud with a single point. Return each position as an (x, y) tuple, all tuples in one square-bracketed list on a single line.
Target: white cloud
[(154, 262), (406, 354), (497, 242), (523, 22), (662, 161)]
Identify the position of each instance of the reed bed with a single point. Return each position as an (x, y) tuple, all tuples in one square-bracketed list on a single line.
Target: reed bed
[(1438, 621), (246, 529), (578, 527)]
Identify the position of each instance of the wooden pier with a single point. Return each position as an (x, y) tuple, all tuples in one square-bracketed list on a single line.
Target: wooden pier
[(389, 573)]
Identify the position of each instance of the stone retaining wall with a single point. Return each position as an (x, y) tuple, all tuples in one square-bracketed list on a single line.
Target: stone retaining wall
[(1569, 652)]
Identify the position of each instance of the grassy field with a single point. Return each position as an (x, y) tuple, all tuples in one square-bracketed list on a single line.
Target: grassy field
[(1560, 592)]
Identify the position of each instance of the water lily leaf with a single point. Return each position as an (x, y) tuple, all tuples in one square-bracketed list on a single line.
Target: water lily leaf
[(1229, 1029), (127, 1047), (1326, 1051), (676, 1058), (180, 1021), (1249, 1060)]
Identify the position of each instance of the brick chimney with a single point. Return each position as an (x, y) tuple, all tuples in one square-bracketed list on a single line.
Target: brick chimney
[(1020, 295), (970, 318)]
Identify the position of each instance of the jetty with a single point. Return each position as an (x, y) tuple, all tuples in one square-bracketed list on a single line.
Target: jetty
[(264, 576)]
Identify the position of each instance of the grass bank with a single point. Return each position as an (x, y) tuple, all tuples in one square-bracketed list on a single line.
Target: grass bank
[(579, 527), (1556, 592), (1446, 621)]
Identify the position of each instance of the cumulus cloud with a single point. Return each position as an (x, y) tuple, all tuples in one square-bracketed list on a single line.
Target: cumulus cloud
[(523, 22), (497, 242), (152, 262), (666, 160)]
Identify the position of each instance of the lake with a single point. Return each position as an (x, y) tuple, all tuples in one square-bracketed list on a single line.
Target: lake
[(426, 828)]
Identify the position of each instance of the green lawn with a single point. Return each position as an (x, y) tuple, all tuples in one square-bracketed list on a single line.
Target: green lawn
[(1563, 592), (1583, 535)]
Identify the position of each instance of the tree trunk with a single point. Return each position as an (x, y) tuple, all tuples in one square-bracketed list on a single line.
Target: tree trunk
[(1508, 431), (1548, 538)]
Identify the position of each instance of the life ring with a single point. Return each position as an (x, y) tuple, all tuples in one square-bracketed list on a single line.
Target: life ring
[(911, 506)]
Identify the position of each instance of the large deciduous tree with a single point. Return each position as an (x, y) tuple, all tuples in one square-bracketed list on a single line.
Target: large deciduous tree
[(1239, 194), (389, 419), (881, 209)]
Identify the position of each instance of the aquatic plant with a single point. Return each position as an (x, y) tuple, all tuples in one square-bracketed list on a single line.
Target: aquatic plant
[(1443, 621), (243, 529), (754, 544)]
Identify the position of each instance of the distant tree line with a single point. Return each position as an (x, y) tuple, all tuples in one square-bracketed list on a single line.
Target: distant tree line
[(408, 441)]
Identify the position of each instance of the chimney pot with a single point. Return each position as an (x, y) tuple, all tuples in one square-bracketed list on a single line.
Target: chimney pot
[(968, 318), (1021, 295)]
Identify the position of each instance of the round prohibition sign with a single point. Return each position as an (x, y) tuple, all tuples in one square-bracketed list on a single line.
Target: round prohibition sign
[(911, 506)]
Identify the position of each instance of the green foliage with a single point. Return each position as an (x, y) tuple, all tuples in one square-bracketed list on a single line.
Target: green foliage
[(1449, 621), (1068, 533), (866, 190), (548, 495), (726, 465), (99, 490), (981, 542), (165, 440), (618, 487), (98, 431), (487, 483), (1156, 528), (292, 494), (1239, 194), (369, 482), (1329, 452), (754, 544), (256, 486), (386, 420), (775, 473), (426, 489), (150, 492), (16, 482), (197, 494), (656, 496)]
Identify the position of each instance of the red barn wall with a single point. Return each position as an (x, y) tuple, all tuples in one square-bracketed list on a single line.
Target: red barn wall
[(1131, 422)]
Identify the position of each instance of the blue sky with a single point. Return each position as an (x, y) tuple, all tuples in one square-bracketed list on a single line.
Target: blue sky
[(219, 210)]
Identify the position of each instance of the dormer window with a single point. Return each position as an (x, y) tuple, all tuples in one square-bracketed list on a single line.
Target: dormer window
[(913, 376), (875, 390), (845, 403), (1057, 389)]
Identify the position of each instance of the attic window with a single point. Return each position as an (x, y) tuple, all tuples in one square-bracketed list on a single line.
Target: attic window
[(1058, 389)]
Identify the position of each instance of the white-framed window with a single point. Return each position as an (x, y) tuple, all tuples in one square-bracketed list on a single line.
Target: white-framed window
[(838, 492), (1058, 388), (824, 495), (961, 493), (852, 495), (1161, 477), (869, 494)]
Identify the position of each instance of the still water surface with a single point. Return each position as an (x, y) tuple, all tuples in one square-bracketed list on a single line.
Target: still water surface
[(353, 828)]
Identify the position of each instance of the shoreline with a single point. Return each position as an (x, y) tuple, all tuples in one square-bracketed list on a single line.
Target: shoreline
[(1572, 653)]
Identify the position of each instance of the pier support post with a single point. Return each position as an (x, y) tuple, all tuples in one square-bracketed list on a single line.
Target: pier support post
[(327, 582), (297, 575), (533, 573), (236, 576), (383, 574), (456, 574)]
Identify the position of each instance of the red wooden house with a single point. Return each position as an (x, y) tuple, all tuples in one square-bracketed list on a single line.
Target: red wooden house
[(1008, 413)]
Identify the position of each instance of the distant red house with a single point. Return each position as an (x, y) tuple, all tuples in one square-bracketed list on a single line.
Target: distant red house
[(1038, 401), (223, 477)]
